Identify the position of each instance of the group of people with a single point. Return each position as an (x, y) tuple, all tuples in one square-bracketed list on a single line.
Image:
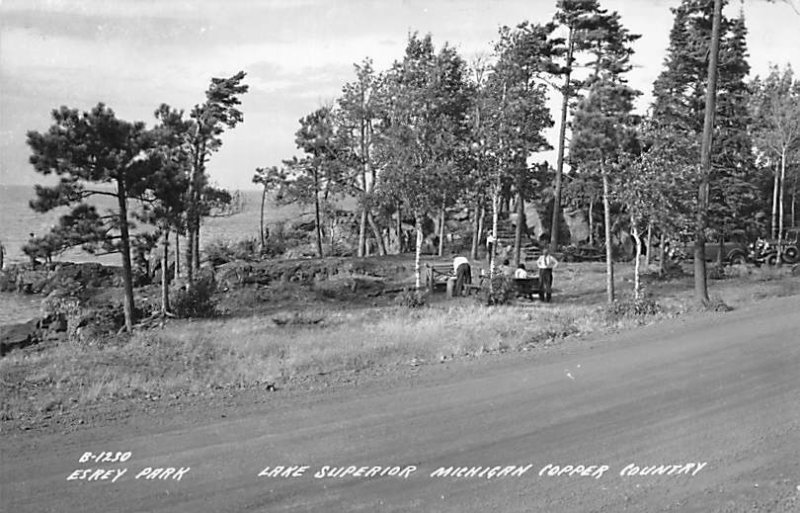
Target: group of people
[(545, 264)]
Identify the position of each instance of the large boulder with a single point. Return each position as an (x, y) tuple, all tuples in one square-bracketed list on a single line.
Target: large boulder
[(577, 223), (534, 220)]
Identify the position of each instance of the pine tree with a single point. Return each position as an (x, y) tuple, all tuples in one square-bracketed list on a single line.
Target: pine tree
[(318, 175), (518, 98), (589, 29), (90, 148), (684, 101), (211, 118), (604, 122)]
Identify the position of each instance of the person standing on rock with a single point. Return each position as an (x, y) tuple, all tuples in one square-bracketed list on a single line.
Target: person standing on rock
[(546, 263)]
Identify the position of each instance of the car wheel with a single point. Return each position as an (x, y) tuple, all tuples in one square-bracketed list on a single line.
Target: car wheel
[(772, 259), (738, 259), (790, 254)]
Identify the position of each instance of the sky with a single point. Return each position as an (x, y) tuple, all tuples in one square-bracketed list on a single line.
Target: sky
[(134, 55)]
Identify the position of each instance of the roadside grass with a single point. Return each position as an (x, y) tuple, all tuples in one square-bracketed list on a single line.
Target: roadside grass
[(271, 350)]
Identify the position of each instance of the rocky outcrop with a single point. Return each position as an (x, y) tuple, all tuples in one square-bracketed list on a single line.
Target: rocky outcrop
[(307, 271), (47, 278), (20, 335), (577, 223)]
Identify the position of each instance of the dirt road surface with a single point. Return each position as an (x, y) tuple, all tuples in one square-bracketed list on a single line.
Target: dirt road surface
[(713, 402)]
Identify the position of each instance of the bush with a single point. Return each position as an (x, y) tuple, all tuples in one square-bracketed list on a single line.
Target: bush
[(502, 291), (220, 252), (716, 272), (716, 304), (273, 247), (196, 301), (632, 309), (412, 298)]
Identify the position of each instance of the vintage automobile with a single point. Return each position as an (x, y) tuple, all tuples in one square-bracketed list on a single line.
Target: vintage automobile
[(734, 253), (766, 251)]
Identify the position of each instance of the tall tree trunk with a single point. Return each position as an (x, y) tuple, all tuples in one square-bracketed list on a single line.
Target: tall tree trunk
[(190, 251), (193, 212), (331, 235), (362, 233), (609, 253), (774, 225), (197, 247), (637, 287), (376, 232), (780, 206), (562, 136), (417, 250), (518, 231), (700, 278), (496, 192), (476, 236), (399, 229), (363, 143), (317, 226), (493, 250), (794, 197), (591, 221), (442, 217), (127, 268), (648, 244), (195, 263), (190, 225), (261, 225), (662, 254), (177, 256), (165, 272), (482, 222)]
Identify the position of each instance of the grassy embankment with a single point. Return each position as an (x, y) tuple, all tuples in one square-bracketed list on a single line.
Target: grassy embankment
[(193, 357)]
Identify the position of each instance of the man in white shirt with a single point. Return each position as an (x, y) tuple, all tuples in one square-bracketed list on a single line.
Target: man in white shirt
[(521, 273), (463, 273), (490, 242), (546, 263)]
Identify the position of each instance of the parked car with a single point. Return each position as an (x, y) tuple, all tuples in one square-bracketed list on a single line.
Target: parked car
[(790, 245), (735, 253), (766, 252)]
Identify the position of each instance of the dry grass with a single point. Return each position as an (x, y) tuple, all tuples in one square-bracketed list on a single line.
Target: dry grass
[(192, 357)]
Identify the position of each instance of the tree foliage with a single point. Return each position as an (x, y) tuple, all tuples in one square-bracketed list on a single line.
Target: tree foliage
[(87, 151)]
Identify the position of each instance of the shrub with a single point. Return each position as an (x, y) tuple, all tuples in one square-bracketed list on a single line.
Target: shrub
[(632, 309), (220, 252), (412, 298), (716, 304), (197, 300), (273, 247), (502, 291), (716, 272)]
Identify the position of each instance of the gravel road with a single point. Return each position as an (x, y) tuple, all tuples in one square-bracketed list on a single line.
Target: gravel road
[(708, 407)]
